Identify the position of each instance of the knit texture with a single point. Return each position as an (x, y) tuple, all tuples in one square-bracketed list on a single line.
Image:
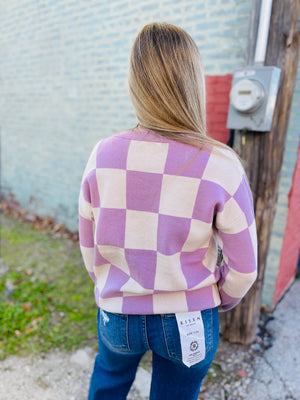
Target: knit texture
[(151, 214)]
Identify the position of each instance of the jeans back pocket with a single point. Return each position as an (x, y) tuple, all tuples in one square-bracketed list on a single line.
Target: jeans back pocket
[(172, 337), (209, 326), (113, 329)]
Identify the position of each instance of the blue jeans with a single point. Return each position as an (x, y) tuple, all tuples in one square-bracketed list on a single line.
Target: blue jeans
[(124, 339)]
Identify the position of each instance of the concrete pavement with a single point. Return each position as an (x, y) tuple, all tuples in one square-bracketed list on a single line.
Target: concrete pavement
[(277, 375)]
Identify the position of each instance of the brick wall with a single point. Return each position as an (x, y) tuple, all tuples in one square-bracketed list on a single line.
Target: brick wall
[(282, 208), (276, 251), (217, 104), (63, 83)]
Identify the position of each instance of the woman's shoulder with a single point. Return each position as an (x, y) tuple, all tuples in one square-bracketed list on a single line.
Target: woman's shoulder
[(120, 137), (110, 141), (224, 169), (226, 157)]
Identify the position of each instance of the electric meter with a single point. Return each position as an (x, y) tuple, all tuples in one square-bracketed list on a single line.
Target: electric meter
[(247, 95), (252, 98)]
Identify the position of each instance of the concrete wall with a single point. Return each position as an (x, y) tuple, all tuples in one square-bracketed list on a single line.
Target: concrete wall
[(63, 83)]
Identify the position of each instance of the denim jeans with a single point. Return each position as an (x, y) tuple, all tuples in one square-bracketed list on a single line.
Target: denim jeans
[(124, 339)]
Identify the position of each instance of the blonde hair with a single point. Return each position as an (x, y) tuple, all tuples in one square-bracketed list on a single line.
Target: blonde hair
[(167, 84)]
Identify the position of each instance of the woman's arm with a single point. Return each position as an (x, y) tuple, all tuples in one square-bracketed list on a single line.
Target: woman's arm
[(236, 235), (86, 217)]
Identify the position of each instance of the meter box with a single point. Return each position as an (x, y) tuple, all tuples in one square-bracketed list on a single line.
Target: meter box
[(252, 98)]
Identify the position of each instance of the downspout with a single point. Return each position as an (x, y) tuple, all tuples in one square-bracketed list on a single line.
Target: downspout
[(263, 32)]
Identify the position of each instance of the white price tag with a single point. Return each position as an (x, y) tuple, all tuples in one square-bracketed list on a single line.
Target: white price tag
[(192, 338)]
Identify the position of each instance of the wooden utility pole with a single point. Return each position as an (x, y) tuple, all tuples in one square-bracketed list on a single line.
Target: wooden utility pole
[(262, 154)]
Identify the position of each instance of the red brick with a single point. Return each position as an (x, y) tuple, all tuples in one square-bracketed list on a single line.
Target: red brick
[(217, 104)]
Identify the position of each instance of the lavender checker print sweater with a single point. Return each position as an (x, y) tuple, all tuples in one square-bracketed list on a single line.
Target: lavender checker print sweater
[(151, 213)]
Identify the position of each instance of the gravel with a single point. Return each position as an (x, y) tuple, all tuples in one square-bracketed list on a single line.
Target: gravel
[(56, 375), (65, 376)]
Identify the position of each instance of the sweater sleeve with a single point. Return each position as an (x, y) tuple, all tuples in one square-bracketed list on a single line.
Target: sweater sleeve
[(236, 235), (86, 218)]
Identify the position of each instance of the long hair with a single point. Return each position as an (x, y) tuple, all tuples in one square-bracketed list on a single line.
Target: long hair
[(167, 84)]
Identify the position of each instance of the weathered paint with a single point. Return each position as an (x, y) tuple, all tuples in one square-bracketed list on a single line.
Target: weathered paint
[(291, 241)]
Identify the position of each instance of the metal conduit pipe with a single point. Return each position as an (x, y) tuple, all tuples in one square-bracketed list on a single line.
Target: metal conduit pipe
[(263, 31)]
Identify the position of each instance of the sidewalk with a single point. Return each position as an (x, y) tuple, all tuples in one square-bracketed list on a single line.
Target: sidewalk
[(276, 372)]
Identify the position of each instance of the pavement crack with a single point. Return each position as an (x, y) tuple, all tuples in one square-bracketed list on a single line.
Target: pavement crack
[(289, 395)]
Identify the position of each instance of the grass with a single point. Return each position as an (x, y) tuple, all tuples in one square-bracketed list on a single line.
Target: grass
[(46, 295)]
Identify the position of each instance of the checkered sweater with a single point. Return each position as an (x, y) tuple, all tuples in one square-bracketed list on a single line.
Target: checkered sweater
[(151, 214)]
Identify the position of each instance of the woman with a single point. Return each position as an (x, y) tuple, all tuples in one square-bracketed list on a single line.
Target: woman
[(155, 203)]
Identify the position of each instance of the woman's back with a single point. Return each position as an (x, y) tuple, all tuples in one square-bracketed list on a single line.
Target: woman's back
[(159, 206)]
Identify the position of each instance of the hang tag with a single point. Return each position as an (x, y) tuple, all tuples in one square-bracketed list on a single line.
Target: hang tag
[(192, 338)]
